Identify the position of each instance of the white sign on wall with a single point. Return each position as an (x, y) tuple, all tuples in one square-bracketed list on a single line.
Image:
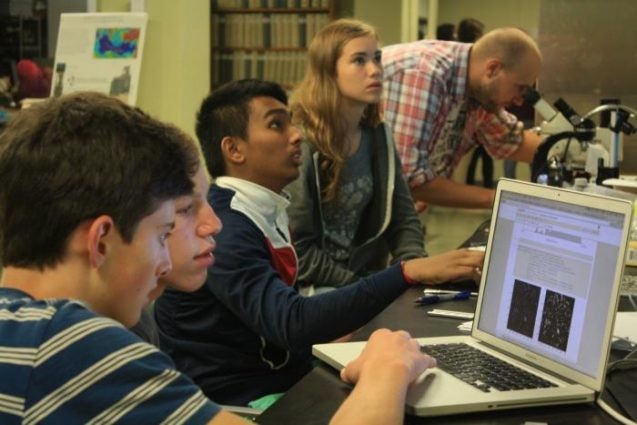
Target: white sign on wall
[(100, 52)]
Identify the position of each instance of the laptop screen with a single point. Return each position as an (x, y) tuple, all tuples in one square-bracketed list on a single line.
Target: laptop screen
[(549, 279)]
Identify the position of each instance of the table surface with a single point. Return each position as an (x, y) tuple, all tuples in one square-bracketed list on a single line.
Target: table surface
[(315, 398)]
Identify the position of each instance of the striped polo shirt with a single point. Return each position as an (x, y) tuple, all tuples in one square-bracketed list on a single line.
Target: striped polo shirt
[(61, 363)]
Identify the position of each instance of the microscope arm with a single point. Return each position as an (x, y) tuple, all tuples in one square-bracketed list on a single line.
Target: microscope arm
[(539, 164)]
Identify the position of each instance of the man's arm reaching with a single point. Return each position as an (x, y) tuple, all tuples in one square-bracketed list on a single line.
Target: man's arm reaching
[(448, 193)]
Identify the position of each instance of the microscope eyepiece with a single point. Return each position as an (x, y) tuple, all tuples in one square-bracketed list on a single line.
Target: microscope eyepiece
[(566, 110), (531, 96)]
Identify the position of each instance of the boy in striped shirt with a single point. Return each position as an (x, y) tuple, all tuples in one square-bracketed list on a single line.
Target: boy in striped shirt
[(87, 202)]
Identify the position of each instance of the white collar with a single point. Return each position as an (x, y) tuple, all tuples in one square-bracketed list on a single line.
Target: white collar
[(262, 199)]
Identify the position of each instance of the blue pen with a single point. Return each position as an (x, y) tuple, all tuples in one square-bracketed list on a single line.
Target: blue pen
[(432, 299)]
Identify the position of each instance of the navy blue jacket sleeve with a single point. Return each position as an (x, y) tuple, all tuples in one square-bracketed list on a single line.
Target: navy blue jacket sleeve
[(244, 280)]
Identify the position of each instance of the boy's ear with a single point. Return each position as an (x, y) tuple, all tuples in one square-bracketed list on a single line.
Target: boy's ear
[(233, 149), (99, 239)]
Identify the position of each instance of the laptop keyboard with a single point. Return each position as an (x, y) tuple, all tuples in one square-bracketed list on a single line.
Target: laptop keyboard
[(482, 370)]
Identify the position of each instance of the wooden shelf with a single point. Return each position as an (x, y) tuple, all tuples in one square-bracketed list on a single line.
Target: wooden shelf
[(259, 49), (272, 10), (22, 37), (268, 43)]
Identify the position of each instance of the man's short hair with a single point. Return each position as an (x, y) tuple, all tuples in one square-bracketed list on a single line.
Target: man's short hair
[(510, 45), (225, 112), (77, 157)]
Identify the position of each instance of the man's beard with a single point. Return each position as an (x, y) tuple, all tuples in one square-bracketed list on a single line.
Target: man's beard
[(483, 95)]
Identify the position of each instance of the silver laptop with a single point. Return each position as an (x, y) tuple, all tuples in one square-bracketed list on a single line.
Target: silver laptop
[(549, 292)]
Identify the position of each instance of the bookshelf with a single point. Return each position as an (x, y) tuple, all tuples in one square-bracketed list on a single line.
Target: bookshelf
[(22, 37), (265, 39)]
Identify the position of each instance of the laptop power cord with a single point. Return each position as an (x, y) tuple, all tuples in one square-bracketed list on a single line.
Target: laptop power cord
[(614, 413), (628, 362)]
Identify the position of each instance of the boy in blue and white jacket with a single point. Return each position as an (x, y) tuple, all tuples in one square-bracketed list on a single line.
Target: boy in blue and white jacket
[(247, 332)]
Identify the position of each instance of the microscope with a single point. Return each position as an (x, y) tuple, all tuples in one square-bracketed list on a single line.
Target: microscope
[(576, 147)]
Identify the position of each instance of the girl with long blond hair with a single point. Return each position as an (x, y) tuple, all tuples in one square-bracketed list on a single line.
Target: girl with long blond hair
[(350, 208)]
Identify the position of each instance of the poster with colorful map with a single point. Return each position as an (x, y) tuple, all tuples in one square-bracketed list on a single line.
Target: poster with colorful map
[(100, 52), (120, 43)]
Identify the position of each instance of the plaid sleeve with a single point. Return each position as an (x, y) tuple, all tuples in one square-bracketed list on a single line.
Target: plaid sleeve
[(412, 100), (498, 133)]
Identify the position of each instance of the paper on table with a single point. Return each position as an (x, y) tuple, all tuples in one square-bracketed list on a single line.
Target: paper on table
[(623, 181), (626, 325), (465, 326)]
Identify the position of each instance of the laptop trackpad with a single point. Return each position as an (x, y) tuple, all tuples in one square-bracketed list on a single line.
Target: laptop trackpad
[(436, 387)]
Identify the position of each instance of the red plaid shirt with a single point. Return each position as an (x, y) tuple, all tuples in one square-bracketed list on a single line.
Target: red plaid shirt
[(426, 105)]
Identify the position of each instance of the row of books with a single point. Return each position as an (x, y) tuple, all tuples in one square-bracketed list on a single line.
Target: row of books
[(269, 4), (286, 68), (266, 30)]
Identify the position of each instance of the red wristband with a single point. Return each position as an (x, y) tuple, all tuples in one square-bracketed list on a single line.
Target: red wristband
[(407, 279)]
